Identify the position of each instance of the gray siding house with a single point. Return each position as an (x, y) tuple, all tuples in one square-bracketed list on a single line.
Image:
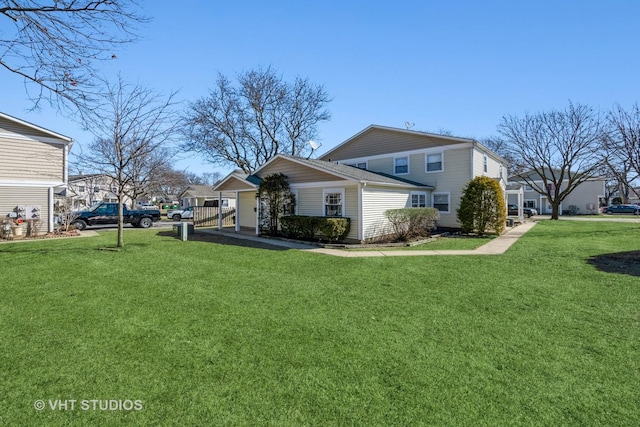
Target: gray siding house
[(33, 168)]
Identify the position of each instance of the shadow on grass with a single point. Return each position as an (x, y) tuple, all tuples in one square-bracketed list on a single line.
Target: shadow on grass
[(620, 262), (224, 240)]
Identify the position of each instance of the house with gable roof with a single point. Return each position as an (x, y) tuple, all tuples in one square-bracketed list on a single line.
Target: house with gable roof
[(378, 169), (33, 169)]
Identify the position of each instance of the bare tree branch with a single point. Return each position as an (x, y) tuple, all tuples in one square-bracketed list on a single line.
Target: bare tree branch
[(556, 150), (248, 125), (56, 48)]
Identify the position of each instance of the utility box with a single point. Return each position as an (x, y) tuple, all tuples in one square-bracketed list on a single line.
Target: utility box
[(183, 231)]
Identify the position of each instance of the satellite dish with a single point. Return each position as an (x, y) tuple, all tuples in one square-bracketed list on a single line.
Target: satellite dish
[(409, 125), (314, 145)]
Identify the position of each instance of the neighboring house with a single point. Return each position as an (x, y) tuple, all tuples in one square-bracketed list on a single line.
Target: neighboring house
[(33, 168), (378, 169), (204, 195), (585, 199), (87, 189)]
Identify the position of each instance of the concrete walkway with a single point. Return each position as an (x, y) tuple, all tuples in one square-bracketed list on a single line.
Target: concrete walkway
[(495, 247)]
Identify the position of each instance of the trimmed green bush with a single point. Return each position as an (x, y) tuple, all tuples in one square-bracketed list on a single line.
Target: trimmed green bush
[(333, 229), (410, 223), (308, 227), (482, 206)]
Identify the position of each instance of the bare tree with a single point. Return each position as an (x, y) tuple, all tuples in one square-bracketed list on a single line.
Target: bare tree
[(56, 47), (622, 148), (249, 124), (556, 150), (133, 139)]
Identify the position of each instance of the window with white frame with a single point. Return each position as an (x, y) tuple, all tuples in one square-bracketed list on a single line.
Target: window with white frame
[(81, 189), (530, 204), (401, 165), (333, 201), (418, 199), (440, 201), (434, 162), (528, 188), (485, 164)]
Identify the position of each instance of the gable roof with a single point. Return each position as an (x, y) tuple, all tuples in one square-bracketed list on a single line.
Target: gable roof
[(251, 182), (65, 139), (199, 191), (419, 142), (346, 172)]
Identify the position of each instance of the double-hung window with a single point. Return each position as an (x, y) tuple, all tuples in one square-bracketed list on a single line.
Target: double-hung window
[(441, 201), (333, 202), (401, 165), (418, 199), (434, 162)]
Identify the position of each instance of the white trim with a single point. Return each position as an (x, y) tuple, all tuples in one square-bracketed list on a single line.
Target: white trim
[(392, 129), (433, 194), (535, 202), (32, 126), (237, 227), (34, 138), (8, 183), (418, 193), (395, 158), (360, 211), (426, 162), (321, 184), (51, 197), (257, 214), (430, 150), (326, 191)]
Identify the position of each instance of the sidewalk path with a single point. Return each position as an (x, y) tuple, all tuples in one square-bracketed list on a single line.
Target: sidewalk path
[(495, 247)]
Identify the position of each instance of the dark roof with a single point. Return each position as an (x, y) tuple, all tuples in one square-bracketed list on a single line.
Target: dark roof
[(355, 173), (84, 176)]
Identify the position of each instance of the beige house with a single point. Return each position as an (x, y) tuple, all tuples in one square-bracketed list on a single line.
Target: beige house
[(378, 169), (204, 195), (584, 199), (33, 168), (87, 189)]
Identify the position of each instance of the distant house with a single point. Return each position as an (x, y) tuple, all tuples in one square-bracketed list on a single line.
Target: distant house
[(378, 169), (585, 199), (33, 168), (204, 195), (87, 189)]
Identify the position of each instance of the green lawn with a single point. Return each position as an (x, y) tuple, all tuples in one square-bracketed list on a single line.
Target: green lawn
[(442, 243), (209, 334)]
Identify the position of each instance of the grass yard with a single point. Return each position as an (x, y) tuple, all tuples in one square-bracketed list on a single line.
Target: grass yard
[(205, 333)]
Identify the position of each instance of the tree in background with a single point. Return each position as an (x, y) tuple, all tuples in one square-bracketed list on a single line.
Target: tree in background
[(248, 124), (556, 150), (133, 139), (622, 148), (56, 47), (482, 206)]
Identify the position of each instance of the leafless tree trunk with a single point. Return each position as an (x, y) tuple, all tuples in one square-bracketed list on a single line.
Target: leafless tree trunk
[(134, 138), (557, 150), (56, 47), (248, 125)]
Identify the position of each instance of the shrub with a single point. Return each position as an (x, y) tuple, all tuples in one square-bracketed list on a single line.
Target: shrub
[(333, 229), (482, 206), (308, 227), (409, 223)]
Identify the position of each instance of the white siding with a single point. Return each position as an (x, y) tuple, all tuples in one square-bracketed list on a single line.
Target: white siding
[(310, 202), (11, 197), (377, 200)]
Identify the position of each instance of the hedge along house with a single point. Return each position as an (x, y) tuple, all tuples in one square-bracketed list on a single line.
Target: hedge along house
[(328, 189), (443, 163), (33, 168)]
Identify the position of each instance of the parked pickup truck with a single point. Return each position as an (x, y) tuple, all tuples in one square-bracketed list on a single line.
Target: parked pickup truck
[(180, 214), (107, 213), (528, 212)]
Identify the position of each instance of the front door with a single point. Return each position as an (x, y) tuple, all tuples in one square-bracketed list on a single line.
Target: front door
[(545, 207)]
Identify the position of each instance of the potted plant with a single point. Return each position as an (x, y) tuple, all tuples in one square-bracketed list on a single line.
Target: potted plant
[(16, 229)]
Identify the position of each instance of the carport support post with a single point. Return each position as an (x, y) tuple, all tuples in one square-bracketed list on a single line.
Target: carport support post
[(237, 213), (219, 210)]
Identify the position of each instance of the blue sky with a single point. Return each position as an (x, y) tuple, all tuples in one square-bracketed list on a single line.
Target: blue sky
[(443, 65)]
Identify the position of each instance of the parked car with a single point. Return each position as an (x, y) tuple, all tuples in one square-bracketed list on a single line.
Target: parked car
[(107, 213), (622, 209), (528, 212), (180, 214), (146, 206)]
